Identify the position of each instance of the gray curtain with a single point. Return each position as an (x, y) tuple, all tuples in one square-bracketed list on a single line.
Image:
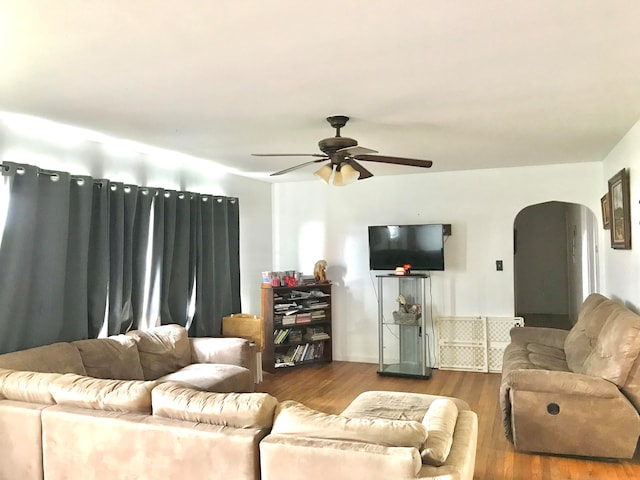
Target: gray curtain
[(217, 231), (81, 256)]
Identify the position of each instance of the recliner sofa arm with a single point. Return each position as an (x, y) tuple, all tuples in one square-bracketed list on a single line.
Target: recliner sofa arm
[(552, 337), (567, 383), (567, 413)]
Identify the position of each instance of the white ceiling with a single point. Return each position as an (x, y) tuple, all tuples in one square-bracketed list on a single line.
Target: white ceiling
[(467, 84)]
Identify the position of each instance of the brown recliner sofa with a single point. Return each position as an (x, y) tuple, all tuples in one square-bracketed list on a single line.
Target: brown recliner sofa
[(575, 392)]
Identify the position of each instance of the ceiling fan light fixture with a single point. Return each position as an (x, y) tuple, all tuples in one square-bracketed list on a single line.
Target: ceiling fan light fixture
[(345, 175), (324, 173)]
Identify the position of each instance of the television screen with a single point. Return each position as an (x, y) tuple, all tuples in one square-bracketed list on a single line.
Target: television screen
[(421, 246)]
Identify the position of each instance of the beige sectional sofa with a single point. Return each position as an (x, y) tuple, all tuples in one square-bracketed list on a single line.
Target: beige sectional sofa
[(575, 392), (139, 406), (159, 405)]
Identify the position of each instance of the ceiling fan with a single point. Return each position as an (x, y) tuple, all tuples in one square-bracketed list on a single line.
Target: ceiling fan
[(343, 154)]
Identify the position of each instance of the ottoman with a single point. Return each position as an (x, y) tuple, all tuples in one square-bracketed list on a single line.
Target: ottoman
[(380, 435)]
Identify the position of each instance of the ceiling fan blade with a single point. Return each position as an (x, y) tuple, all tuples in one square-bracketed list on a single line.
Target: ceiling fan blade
[(364, 173), (357, 150), (395, 160), (291, 169), (289, 155)]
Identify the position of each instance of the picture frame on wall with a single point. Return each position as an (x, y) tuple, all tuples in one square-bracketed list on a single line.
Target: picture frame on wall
[(620, 219), (606, 211)]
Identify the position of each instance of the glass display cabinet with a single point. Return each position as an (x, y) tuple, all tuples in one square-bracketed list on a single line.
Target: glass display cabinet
[(402, 319)]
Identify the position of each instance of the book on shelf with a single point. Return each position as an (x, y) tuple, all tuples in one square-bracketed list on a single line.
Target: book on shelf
[(317, 337), (278, 307), (299, 353), (284, 364), (289, 319), (295, 356), (303, 318), (316, 334), (299, 294), (294, 335), (280, 336), (303, 354)]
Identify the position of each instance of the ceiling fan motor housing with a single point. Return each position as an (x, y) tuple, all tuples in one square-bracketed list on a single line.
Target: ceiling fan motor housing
[(331, 144)]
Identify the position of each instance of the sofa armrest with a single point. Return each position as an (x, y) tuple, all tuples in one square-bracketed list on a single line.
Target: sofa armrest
[(549, 381), (552, 337), (335, 459), (225, 350)]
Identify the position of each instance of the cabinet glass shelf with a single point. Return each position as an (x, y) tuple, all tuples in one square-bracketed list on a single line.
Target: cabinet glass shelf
[(402, 317)]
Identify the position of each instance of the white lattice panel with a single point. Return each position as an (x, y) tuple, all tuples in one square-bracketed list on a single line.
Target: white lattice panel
[(462, 329), (495, 359), (474, 343), (463, 357), (498, 337), (498, 328), (462, 343)]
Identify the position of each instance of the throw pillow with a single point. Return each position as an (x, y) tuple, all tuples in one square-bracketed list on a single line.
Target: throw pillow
[(162, 350), (440, 422), (115, 357)]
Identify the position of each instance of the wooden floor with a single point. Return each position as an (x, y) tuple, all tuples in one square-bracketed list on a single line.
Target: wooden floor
[(331, 387)]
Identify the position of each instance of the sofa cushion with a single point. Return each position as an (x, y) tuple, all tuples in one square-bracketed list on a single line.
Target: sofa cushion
[(293, 418), (55, 358), (583, 336), (162, 350), (115, 357), (532, 356), (616, 349), (212, 377), (395, 405), (100, 394), (32, 387), (239, 410), (440, 421)]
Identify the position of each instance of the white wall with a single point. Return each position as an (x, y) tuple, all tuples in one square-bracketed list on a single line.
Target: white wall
[(312, 221), (622, 267), (56, 147)]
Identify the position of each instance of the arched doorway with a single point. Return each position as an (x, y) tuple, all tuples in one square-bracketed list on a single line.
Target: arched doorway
[(555, 262)]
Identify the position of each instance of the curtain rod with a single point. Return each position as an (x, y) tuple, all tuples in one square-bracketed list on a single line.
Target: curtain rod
[(76, 177), (44, 172)]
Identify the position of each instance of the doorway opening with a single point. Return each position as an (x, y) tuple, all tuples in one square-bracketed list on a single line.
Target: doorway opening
[(555, 262)]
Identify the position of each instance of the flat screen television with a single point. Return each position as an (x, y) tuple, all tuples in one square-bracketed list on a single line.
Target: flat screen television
[(421, 246)]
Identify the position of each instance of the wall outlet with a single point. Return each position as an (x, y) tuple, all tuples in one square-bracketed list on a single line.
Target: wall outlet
[(499, 265)]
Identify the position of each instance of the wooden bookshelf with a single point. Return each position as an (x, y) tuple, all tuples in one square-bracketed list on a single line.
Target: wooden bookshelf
[(297, 322)]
